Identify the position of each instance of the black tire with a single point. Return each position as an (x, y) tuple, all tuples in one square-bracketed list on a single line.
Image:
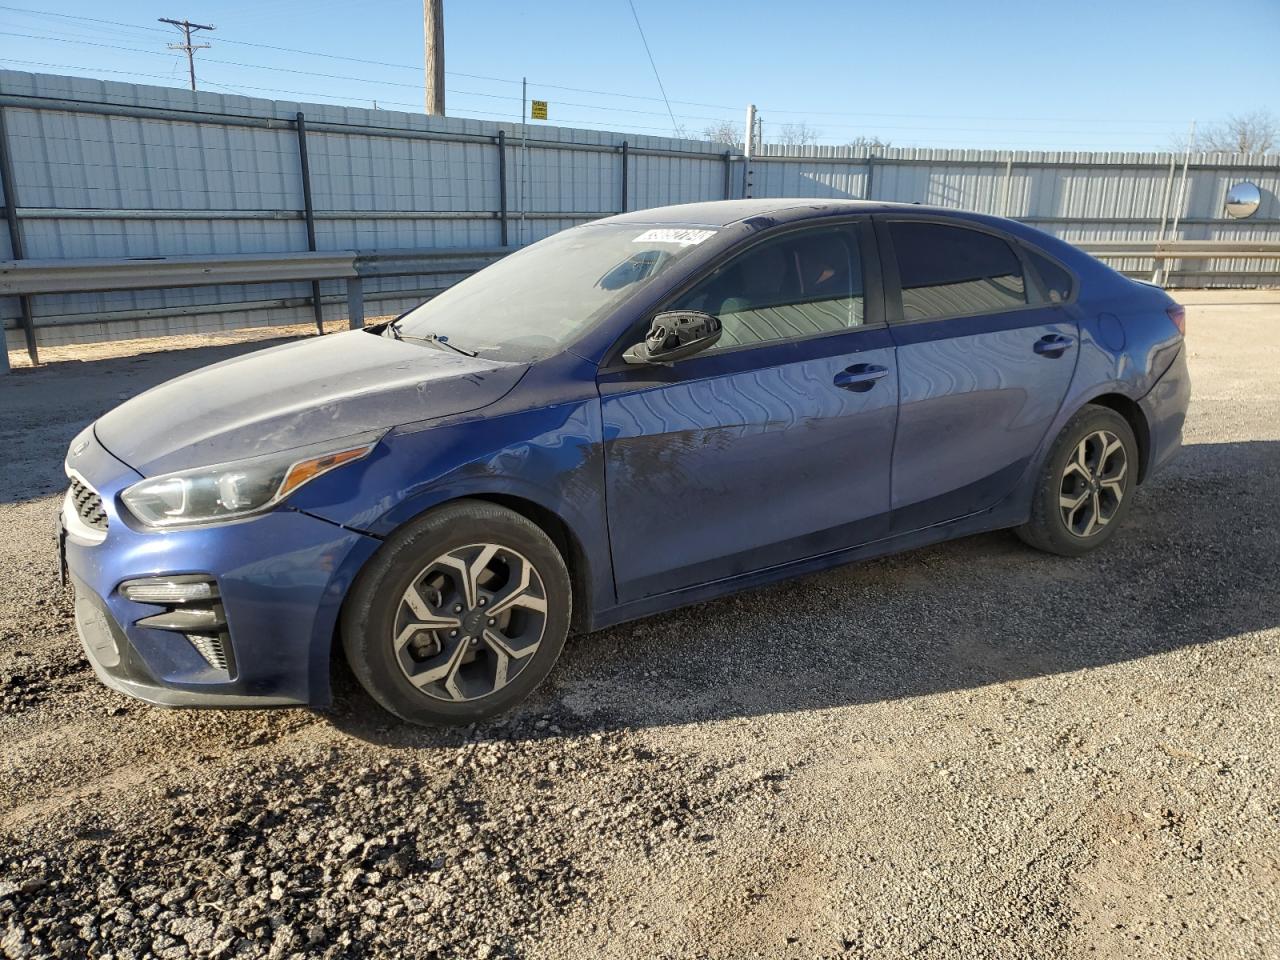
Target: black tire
[(378, 605), (1048, 529)]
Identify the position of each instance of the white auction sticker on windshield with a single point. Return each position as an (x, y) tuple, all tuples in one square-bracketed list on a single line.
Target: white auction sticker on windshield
[(683, 237)]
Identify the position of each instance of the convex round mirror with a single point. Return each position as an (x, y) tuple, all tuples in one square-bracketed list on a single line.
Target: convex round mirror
[(1243, 200)]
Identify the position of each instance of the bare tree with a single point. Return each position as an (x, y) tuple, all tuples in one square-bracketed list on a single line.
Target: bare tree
[(797, 135), (1257, 132), (725, 131), (869, 143)]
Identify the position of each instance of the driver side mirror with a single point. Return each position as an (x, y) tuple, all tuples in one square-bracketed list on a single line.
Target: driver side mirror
[(674, 335)]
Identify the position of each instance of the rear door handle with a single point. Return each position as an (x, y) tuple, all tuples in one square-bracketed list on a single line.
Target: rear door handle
[(1053, 344), (860, 378)]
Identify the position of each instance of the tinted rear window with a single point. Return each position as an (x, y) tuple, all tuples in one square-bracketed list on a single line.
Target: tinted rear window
[(950, 271)]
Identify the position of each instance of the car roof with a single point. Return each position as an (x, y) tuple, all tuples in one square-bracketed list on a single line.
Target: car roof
[(721, 213), (765, 212)]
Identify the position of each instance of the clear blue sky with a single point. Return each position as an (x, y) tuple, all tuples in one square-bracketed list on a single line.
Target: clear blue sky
[(1083, 74)]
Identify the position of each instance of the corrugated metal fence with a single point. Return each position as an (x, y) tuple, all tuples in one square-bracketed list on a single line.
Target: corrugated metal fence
[(1079, 196), (105, 169)]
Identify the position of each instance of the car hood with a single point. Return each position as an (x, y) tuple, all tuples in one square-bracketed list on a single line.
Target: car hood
[(300, 393)]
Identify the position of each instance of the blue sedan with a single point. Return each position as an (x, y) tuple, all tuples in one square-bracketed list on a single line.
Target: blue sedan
[(643, 412)]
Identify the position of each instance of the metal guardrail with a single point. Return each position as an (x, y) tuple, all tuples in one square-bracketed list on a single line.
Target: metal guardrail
[(81, 276), (37, 277), (1180, 249), (34, 277)]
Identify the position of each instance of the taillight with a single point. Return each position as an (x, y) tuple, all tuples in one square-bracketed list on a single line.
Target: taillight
[(1178, 314)]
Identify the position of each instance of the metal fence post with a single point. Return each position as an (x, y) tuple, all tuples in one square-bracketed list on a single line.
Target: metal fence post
[(871, 175), (1164, 215), (1008, 183), (1167, 267), (15, 242), (728, 174), (310, 214), (355, 302), (624, 176), (502, 185)]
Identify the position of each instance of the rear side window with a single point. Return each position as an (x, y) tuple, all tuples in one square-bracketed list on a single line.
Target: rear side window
[(1057, 282), (796, 286), (949, 271)]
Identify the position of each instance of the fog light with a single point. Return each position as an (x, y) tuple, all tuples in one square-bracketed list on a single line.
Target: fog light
[(183, 589), (192, 610)]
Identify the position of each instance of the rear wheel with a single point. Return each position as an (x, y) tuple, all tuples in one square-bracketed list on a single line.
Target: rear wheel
[(1085, 489), (459, 616)]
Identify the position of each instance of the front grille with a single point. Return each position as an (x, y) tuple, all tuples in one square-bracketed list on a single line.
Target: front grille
[(88, 505)]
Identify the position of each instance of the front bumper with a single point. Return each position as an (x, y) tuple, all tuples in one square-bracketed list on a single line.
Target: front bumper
[(281, 578)]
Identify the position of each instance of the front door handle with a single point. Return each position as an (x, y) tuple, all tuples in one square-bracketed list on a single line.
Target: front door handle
[(860, 378), (1053, 344)]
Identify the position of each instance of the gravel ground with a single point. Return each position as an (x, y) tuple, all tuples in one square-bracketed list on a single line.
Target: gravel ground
[(971, 749)]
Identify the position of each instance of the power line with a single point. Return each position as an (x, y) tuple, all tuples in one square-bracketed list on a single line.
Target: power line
[(336, 76), (72, 66), (379, 63), (239, 89), (222, 39), (958, 116), (674, 126), (1039, 134), (228, 63), (941, 131), (602, 93), (71, 16)]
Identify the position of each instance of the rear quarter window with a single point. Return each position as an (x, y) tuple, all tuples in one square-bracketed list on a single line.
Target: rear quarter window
[(1057, 282)]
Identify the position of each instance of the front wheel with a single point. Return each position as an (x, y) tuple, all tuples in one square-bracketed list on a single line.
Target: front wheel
[(1085, 489), (459, 615)]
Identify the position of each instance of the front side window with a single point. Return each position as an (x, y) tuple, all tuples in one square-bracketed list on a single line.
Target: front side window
[(534, 302), (948, 271), (783, 289)]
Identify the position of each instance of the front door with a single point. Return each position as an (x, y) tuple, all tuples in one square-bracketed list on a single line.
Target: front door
[(773, 445), (984, 362)]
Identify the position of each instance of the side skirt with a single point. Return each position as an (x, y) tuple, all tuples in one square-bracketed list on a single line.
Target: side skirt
[(1012, 512)]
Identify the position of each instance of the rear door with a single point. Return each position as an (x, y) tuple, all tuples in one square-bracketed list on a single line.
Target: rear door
[(985, 358), (773, 445)]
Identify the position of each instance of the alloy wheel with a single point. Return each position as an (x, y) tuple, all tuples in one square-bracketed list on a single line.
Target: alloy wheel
[(1093, 483), (470, 622)]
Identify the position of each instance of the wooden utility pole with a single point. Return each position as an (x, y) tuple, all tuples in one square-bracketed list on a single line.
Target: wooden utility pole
[(433, 43), (186, 26)]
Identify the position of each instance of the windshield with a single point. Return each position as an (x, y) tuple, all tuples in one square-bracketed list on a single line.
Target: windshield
[(533, 302)]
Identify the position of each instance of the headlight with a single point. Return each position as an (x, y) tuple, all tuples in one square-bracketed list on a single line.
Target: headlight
[(230, 490)]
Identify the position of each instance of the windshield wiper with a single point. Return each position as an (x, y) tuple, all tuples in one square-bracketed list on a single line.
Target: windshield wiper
[(393, 328), (436, 338)]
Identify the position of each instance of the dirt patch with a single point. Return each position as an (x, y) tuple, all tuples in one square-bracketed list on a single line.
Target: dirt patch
[(972, 749)]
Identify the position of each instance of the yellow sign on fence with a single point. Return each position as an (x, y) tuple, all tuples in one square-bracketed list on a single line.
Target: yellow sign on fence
[(538, 109)]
